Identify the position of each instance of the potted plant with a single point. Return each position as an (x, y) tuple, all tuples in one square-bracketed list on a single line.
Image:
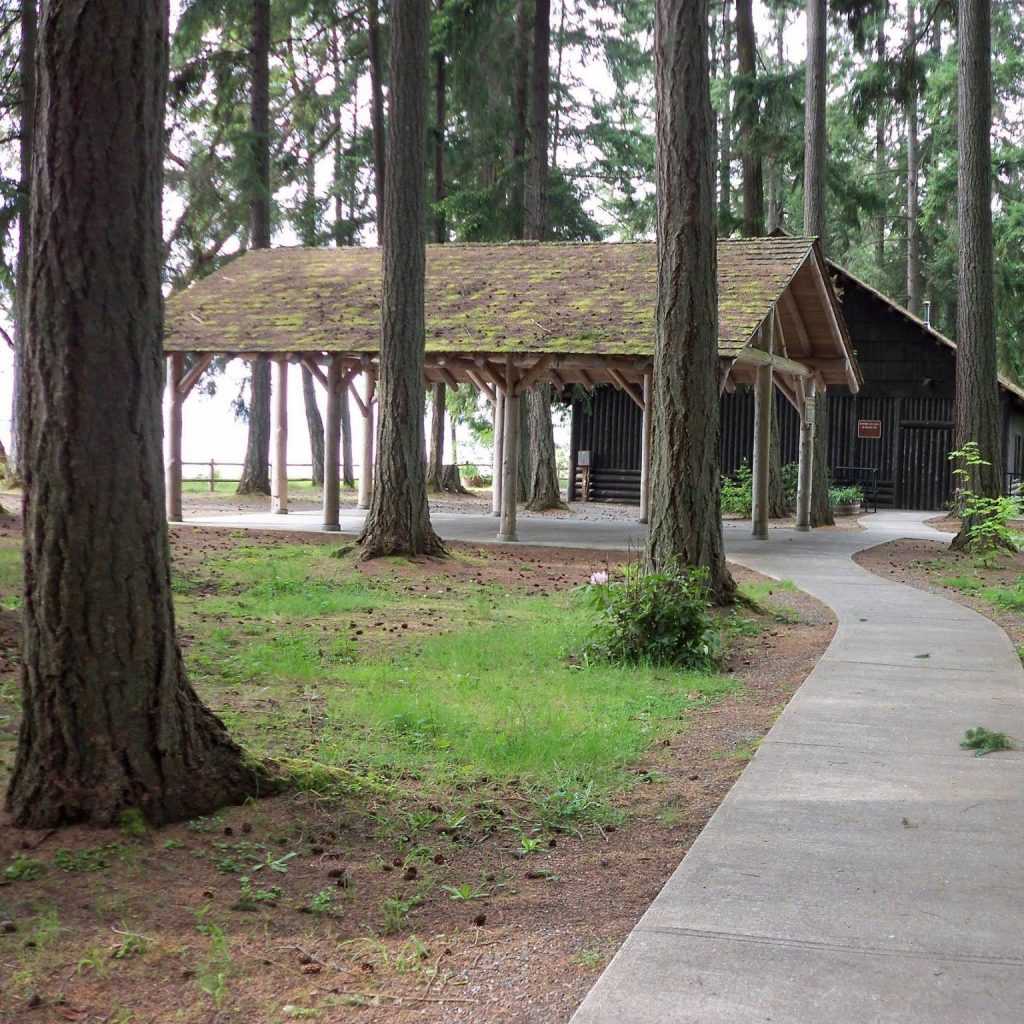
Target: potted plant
[(845, 501)]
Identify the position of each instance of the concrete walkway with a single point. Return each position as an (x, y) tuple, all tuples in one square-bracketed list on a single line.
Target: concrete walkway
[(863, 868)]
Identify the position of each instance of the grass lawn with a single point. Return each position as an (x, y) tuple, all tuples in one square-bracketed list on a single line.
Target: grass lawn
[(476, 818)]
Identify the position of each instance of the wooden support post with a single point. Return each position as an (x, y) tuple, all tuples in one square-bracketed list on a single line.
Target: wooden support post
[(332, 445), (763, 399), (805, 475), (645, 451), (175, 400), (498, 469), (279, 478), (509, 458), (366, 470)]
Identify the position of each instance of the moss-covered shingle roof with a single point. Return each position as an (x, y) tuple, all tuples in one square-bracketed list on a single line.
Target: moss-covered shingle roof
[(584, 299)]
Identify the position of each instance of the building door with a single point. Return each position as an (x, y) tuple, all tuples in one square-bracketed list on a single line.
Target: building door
[(925, 480)]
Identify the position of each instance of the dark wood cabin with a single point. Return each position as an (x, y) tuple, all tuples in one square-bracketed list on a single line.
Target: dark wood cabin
[(893, 436)]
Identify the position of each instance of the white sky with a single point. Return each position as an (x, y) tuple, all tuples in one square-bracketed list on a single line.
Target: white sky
[(211, 430)]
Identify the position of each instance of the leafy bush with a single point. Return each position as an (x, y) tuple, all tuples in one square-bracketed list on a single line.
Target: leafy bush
[(658, 618), (987, 519), (737, 492), (790, 483), (850, 495)]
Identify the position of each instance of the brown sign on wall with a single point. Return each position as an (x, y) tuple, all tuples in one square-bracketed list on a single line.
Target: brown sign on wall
[(869, 428)]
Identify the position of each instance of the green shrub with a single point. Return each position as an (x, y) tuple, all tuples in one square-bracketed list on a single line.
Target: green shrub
[(983, 741), (658, 618), (987, 519), (737, 492), (850, 495), (790, 483)]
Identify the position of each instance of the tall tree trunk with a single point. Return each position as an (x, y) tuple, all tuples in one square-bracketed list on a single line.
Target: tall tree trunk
[(976, 403), (542, 482), (27, 100), (314, 421), (348, 477), (814, 224), (376, 109), (556, 130), (776, 490), (398, 521), (536, 218), (519, 133), (914, 281), (685, 519), (435, 458), (255, 475), (315, 425), (747, 113), (776, 197), (110, 721), (881, 171), (440, 116), (725, 136)]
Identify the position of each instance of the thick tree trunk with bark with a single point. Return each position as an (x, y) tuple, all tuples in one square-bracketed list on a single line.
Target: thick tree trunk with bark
[(376, 109), (523, 464), (976, 403), (747, 114), (685, 514), (398, 521), (255, 475), (880, 161), (110, 721), (536, 218), (435, 456), (776, 196), (440, 116), (522, 86), (914, 277), (27, 99), (814, 224), (315, 425), (348, 477), (725, 135), (543, 491)]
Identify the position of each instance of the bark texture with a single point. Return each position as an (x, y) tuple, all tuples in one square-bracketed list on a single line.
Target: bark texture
[(27, 100), (398, 521), (110, 721), (255, 475), (776, 492), (440, 116), (725, 135), (880, 162), (536, 218), (815, 156), (520, 102), (685, 521), (348, 477), (976, 401), (376, 108), (915, 284), (435, 457), (543, 490), (747, 114), (814, 122), (315, 425)]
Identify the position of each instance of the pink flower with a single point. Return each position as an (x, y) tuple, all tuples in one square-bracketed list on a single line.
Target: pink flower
[(598, 579)]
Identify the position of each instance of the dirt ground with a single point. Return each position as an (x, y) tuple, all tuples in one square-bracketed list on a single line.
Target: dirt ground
[(930, 565), (524, 948)]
